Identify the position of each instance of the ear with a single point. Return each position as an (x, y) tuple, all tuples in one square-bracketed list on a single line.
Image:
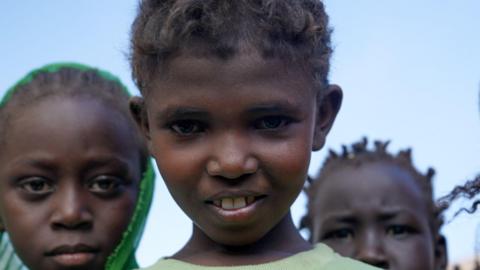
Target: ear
[(441, 256), (328, 105), (139, 114)]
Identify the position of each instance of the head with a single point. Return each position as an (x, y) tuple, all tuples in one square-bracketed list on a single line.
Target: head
[(70, 166), (376, 207), (236, 98)]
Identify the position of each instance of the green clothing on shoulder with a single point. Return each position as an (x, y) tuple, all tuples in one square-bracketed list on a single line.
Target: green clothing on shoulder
[(319, 258), (8, 259)]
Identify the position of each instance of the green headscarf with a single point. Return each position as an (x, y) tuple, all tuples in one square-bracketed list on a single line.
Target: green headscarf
[(123, 257)]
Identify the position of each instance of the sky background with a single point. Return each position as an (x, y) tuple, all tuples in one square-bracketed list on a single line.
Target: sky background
[(410, 71)]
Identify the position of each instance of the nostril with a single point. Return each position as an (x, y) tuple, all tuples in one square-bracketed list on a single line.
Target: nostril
[(79, 225)]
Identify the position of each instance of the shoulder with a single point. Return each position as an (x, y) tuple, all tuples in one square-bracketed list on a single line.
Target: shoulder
[(8, 258), (324, 258), (331, 260), (319, 258)]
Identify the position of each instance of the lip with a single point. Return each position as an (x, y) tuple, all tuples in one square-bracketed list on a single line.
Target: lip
[(240, 215), (73, 255)]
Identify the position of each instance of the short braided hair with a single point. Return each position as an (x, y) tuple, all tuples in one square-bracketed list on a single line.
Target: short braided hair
[(358, 154)]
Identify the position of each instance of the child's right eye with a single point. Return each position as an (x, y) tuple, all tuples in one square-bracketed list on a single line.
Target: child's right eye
[(187, 127), (36, 186)]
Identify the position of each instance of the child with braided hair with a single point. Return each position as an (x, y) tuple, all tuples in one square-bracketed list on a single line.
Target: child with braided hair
[(76, 181), (376, 207)]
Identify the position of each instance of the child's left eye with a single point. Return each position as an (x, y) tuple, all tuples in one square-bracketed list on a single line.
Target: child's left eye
[(400, 231), (272, 122), (105, 185)]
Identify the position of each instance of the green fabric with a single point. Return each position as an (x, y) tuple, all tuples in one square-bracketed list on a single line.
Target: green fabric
[(8, 259), (319, 258), (123, 257)]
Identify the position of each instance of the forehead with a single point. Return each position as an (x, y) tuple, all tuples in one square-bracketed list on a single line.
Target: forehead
[(230, 87), (246, 69), (56, 120), (371, 187)]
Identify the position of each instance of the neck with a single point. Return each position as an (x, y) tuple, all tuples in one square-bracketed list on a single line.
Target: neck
[(280, 242)]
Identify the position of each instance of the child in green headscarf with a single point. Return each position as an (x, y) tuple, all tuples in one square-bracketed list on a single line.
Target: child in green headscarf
[(76, 181)]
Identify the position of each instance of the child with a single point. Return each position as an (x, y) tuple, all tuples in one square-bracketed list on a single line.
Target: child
[(75, 178), (376, 207), (236, 98)]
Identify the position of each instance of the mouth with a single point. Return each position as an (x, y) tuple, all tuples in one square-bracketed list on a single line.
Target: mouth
[(232, 203), (73, 255), (236, 208)]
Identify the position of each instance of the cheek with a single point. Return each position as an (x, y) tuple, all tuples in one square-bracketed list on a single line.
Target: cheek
[(113, 217), (288, 160), (21, 216), (414, 254), (26, 225), (178, 165)]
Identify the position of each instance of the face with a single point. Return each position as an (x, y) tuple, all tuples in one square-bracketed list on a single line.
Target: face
[(376, 213), (232, 140), (69, 176)]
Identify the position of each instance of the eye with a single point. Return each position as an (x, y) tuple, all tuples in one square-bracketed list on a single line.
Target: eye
[(36, 186), (272, 122), (187, 127), (106, 185), (343, 234), (400, 231)]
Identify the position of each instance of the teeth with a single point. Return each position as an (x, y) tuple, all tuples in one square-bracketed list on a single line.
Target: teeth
[(239, 202), (233, 203), (250, 199), (227, 203)]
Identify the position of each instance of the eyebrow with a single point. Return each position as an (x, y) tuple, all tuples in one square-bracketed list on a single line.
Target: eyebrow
[(107, 161), (384, 215), (345, 217), (35, 162), (275, 107), (171, 113)]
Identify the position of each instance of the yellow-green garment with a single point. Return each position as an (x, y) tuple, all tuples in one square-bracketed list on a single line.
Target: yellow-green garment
[(319, 258), (123, 257)]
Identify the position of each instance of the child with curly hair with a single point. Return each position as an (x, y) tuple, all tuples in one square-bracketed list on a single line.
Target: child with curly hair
[(236, 97)]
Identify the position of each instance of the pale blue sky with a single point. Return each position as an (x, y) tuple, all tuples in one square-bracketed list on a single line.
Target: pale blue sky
[(410, 71)]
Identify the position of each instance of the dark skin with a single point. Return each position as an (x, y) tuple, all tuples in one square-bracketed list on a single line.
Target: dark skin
[(69, 171), (232, 140), (376, 213)]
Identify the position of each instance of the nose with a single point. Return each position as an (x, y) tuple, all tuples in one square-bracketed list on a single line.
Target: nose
[(231, 157), (370, 250), (71, 210)]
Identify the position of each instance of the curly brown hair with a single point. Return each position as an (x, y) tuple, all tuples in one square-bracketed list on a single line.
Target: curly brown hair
[(358, 154), (293, 30)]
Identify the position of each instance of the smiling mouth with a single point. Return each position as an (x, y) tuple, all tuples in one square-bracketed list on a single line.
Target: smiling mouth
[(235, 203)]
